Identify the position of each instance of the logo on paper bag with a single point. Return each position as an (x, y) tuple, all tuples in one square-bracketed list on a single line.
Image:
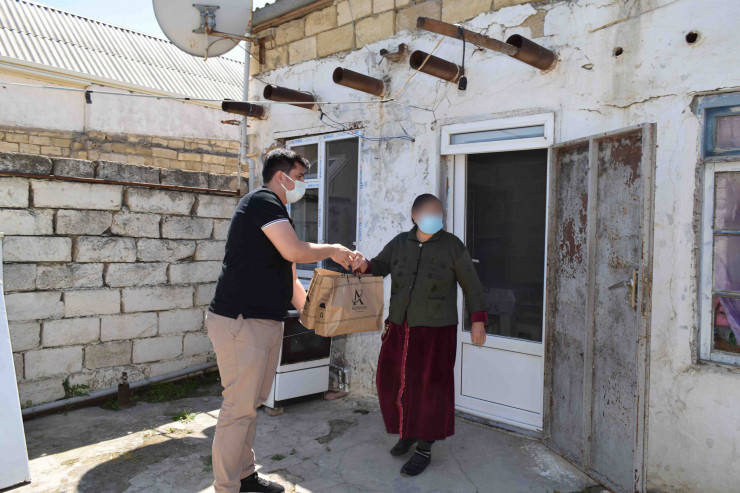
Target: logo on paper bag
[(357, 300), (357, 303)]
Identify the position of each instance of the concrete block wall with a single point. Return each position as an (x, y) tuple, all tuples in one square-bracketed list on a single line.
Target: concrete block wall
[(194, 154), (350, 24), (104, 278)]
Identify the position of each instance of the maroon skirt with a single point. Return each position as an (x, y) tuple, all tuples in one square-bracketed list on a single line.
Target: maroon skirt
[(416, 381)]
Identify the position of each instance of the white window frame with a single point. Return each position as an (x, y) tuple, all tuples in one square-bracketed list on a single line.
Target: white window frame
[(706, 319), (545, 119), (320, 184)]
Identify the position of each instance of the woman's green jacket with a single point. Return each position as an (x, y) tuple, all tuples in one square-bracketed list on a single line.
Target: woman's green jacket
[(424, 278)]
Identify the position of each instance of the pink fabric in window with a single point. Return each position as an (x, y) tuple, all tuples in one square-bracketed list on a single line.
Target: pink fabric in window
[(727, 248)]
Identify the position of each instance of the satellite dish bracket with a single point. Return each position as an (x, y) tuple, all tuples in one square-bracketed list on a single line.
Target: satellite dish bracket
[(207, 17), (208, 25)]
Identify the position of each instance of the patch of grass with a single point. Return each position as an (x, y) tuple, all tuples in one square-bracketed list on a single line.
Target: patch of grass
[(207, 463), (111, 404), (292, 451), (172, 391), (166, 391), (26, 405), (186, 416), (74, 390), (361, 411), (172, 430), (69, 462), (277, 457)]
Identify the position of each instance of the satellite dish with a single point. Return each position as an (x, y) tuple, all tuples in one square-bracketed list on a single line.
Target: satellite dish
[(204, 28)]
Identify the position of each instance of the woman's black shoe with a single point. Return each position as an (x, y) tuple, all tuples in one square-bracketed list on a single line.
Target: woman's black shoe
[(256, 484), (417, 463), (402, 446)]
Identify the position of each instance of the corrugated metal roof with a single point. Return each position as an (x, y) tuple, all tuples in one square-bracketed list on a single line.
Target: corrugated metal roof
[(45, 35)]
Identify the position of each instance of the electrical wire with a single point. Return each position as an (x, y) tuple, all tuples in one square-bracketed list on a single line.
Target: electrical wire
[(342, 127), (108, 93), (462, 35), (181, 98)]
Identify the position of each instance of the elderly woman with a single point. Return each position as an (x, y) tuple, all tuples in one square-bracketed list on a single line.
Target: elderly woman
[(415, 377)]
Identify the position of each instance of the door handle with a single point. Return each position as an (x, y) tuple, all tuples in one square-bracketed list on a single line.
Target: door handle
[(475, 261), (632, 284)]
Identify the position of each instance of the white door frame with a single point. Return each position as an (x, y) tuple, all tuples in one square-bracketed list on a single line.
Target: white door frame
[(456, 222)]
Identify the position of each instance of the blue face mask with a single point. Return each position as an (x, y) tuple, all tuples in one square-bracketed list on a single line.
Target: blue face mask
[(430, 223)]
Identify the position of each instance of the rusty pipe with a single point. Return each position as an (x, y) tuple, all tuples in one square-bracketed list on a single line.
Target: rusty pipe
[(516, 46), (277, 93), (451, 72), (358, 81), (531, 53), (242, 108)]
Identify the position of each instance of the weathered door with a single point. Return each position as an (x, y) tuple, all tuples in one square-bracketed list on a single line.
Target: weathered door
[(598, 303)]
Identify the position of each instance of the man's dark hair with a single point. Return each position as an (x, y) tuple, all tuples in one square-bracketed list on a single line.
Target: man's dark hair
[(422, 200), (283, 160)]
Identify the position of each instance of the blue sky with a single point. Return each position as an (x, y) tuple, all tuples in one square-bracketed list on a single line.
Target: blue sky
[(133, 14)]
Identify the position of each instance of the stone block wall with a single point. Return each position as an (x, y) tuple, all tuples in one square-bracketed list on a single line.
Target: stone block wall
[(350, 24), (194, 154), (101, 278)]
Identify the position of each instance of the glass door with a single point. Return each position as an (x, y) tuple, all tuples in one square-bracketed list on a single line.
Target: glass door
[(500, 213)]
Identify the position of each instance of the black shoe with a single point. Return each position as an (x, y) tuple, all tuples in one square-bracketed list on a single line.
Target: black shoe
[(254, 483), (402, 446), (417, 463)]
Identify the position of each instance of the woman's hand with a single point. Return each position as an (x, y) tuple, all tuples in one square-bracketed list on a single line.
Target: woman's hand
[(478, 333), (359, 264)]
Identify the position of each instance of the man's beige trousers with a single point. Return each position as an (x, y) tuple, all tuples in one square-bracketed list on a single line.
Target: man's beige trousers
[(247, 351)]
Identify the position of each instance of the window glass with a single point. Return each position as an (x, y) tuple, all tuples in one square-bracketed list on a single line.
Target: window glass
[(305, 214), (310, 152), (496, 135), (341, 194), (505, 234), (726, 295), (727, 200), (728, 132)]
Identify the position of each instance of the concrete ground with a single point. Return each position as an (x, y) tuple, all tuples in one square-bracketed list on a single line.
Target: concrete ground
[(316, 446)]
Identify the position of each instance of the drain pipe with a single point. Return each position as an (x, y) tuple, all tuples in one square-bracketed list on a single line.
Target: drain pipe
[(252, 171), (244, 128), (50, 407)]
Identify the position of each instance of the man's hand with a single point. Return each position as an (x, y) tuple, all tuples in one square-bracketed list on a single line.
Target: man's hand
[(343, 256), (359, 264), (478, 333)]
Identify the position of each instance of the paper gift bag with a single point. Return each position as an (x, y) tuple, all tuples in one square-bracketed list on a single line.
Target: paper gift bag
[(339, 304)]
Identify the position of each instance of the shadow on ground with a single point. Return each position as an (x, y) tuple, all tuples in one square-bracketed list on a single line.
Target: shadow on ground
[(317, 446)]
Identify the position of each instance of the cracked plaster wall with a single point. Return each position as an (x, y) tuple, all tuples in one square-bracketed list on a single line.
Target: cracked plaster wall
[(694, 436)]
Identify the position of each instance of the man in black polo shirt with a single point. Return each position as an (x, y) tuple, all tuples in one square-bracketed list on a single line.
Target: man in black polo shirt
[(258, 280)]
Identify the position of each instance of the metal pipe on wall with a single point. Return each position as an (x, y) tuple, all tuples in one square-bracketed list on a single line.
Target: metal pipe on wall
[(244, 127), (360, 82), (451, 72), (531, 53), (243, 108), (252, 171), (283, 94), (517, 46), (32, 412)]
